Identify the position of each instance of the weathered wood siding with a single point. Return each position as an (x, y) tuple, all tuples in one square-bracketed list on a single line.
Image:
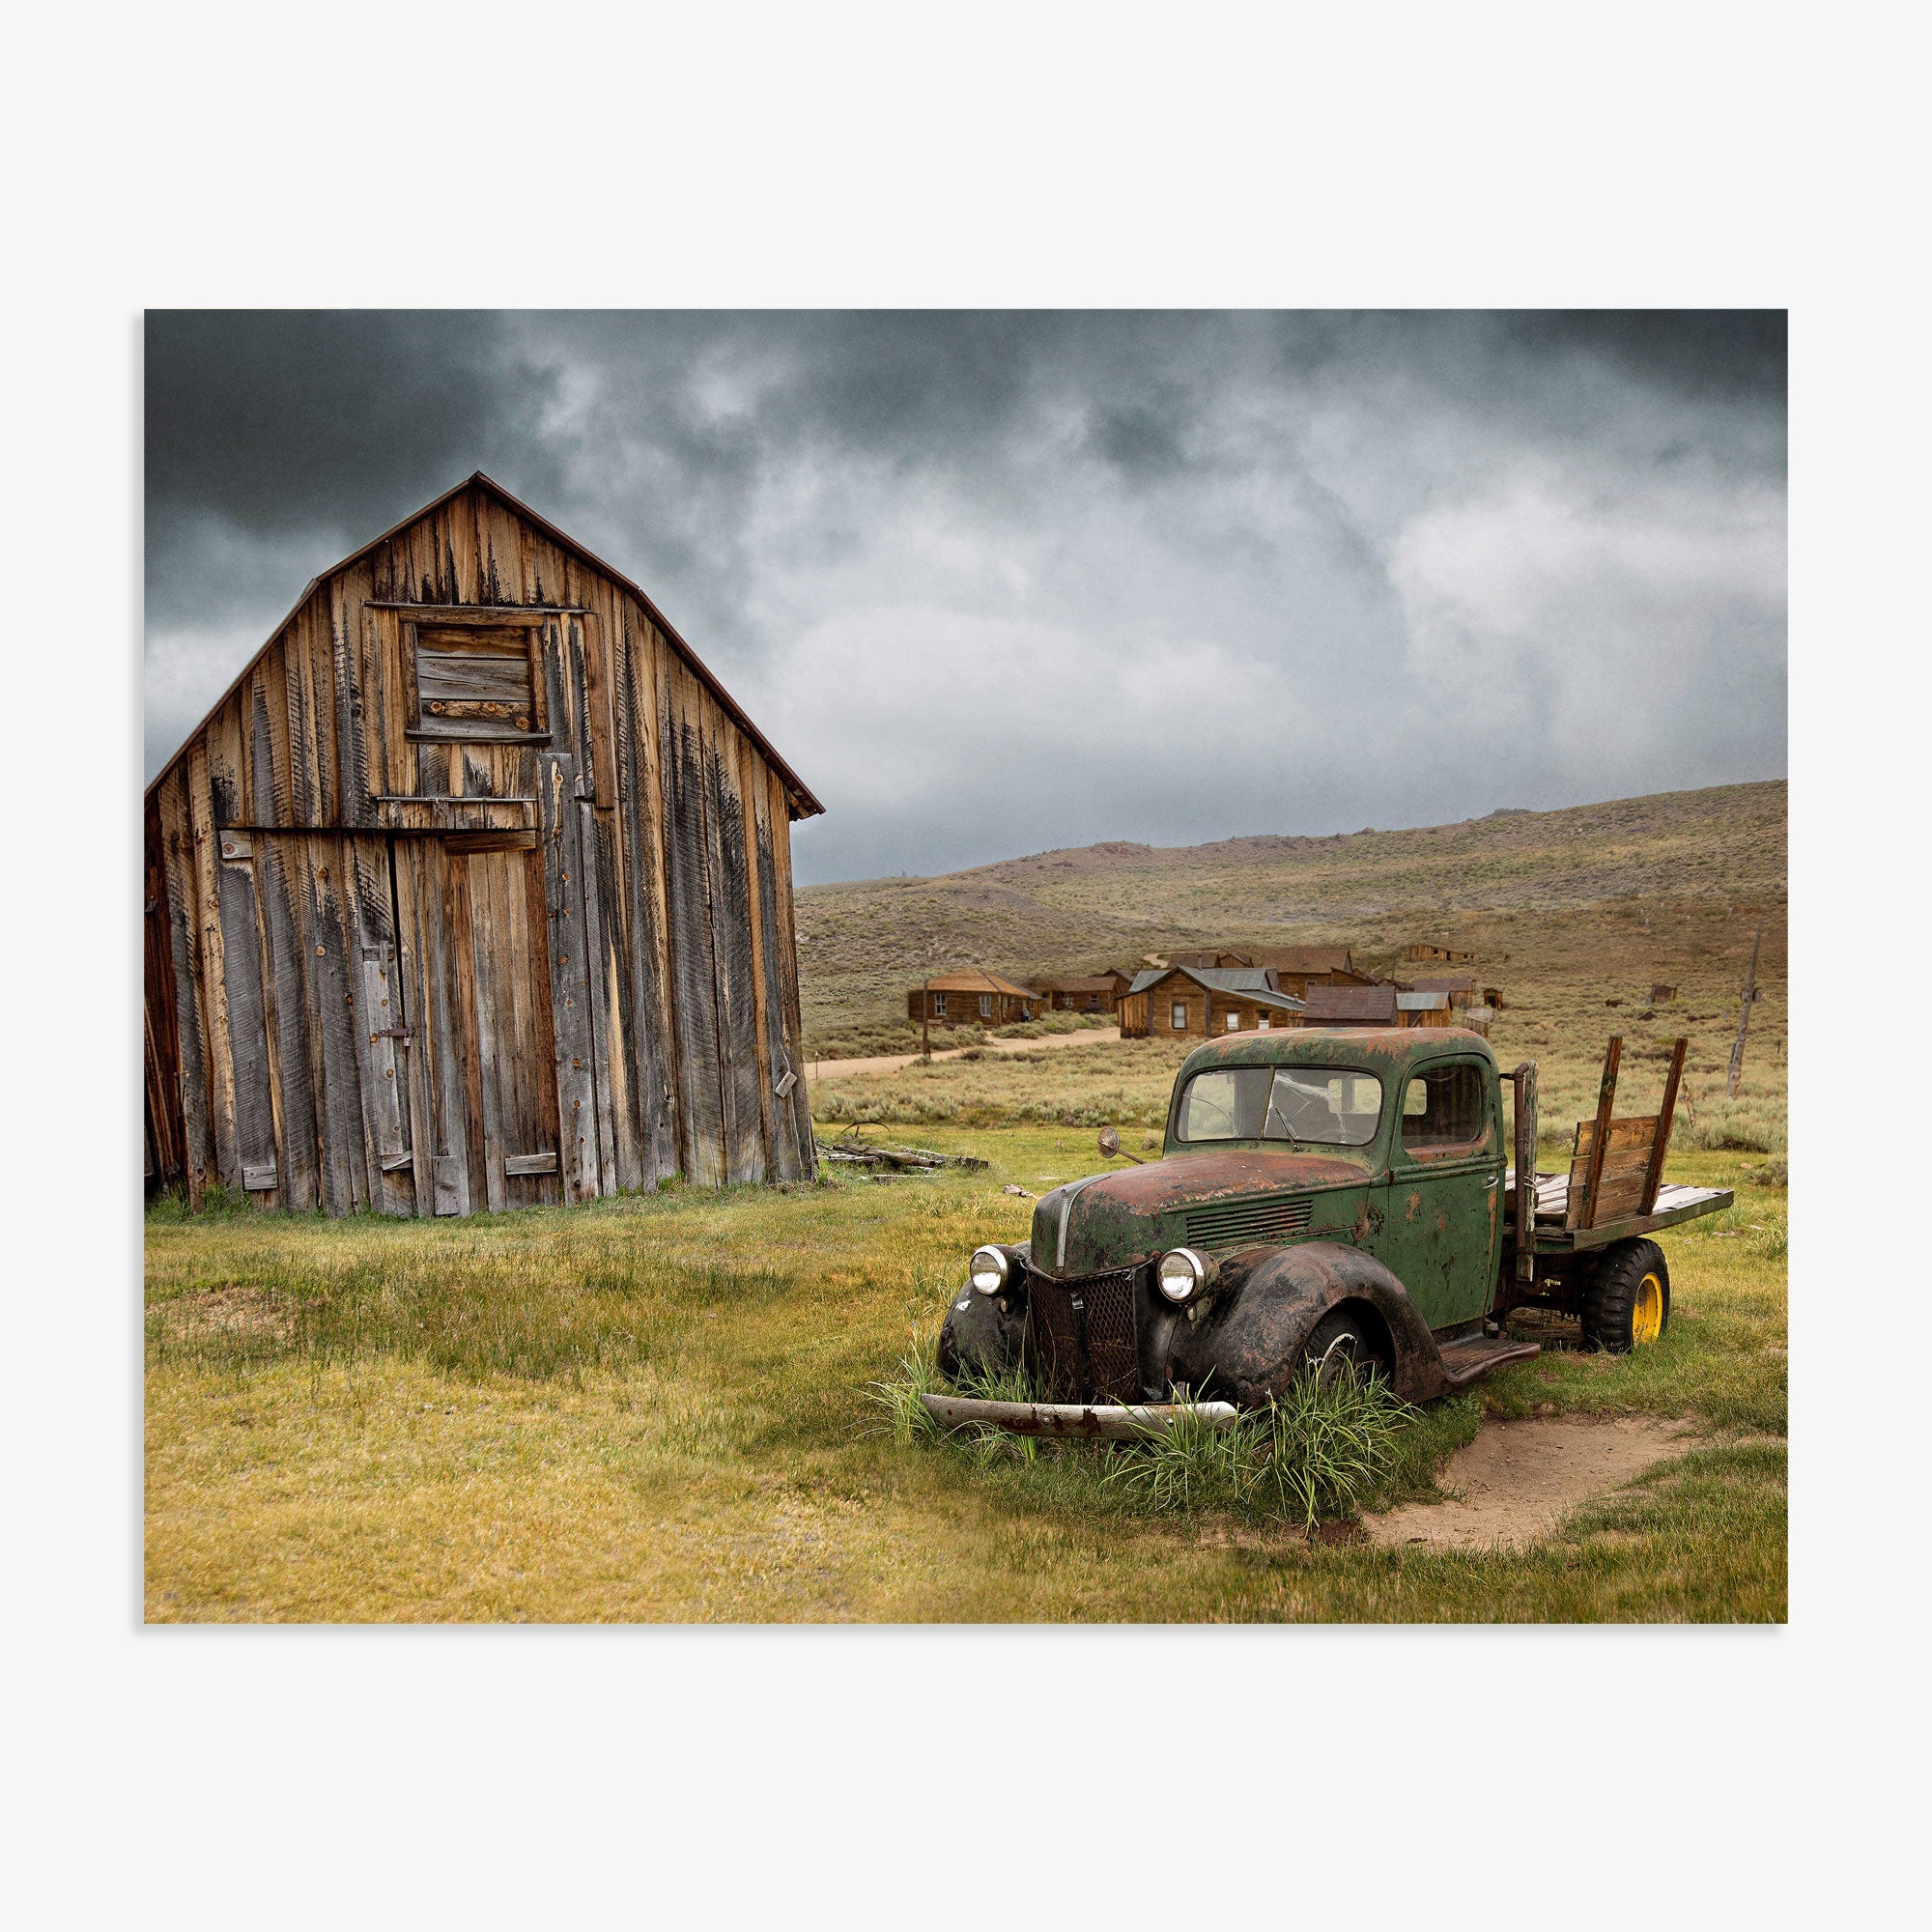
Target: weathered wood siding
[(964, 1010), (1150, 1012), (422, 971)]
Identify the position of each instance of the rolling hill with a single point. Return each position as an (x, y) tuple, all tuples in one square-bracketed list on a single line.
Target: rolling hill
[(1670, 887)]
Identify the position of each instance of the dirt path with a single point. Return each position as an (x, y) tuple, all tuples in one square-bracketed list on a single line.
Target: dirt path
[(1517, 1479), (890, 1062)]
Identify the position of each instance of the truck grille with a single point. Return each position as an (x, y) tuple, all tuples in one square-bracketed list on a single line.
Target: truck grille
[(1083, 1336), (1231, 1223)]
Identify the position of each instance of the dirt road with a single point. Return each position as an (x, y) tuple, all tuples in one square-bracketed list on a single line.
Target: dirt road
[(890, 1062)]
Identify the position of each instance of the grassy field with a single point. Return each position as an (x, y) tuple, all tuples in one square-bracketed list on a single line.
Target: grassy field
[(658, 1409), (661, 1407)]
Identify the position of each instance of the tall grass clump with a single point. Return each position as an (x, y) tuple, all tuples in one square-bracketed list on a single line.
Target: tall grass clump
[(1314, 1451), (1318, 1451)]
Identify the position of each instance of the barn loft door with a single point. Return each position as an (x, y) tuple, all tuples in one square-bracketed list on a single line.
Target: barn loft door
[(483, 1094)]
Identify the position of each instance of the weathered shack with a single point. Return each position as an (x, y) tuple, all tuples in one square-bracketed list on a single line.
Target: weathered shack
[(1422, 953), (1090, 993), (1204, 999), (1297, 968), (1214, 959), (1423, 1009), (1351, 1007), (473, 892), (970, 997)]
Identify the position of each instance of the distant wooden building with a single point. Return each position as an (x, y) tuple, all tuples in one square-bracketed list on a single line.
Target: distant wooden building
[(473, 892), (1091, 993), (1423, 954), (1213, 959), (1468, 1003), (1422, 1009), (1297, 968), (970, 997), (1351, 1007), (1167, 1002)]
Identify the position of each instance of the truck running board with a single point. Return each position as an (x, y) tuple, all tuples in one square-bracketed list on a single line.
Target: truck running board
[(1464, 1361)]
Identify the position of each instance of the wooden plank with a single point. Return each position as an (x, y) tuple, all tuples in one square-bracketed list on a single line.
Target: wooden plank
[(694, 995), (543, 1046), (248, 1013), (378, 988), (597, 987), (439, 816), (610, 998), (1665, 1114), (160, 1035), (290, 1089), (177, 850), (731, 953), (507, 616), (464, 969), (342, 1157), (787, 960), (1607, 1096), (213, 970), (569, 970), (407, 868), (756, 868), (1637, 1131), (1619, 1198), (638, 794), (344, 647), (531, 1163)]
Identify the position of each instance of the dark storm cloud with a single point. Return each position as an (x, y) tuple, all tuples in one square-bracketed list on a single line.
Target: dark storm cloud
[(1106, 535)]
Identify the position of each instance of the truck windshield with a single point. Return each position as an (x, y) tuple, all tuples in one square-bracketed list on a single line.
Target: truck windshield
[(1281, 1104)]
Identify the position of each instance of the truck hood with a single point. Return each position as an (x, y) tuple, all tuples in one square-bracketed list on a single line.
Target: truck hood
[(1116, 1220)]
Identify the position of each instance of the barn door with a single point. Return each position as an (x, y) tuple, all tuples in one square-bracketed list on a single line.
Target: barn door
[(483, 1099)]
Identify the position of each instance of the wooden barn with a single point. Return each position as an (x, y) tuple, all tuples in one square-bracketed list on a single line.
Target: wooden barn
[(1170, 1002), (970, 997), (1091, 993), (474, 892)]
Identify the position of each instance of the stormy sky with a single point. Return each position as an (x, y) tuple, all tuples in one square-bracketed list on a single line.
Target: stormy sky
[(998, 582)]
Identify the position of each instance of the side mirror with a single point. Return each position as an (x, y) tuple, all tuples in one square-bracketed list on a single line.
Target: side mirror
[(1110, 1142)]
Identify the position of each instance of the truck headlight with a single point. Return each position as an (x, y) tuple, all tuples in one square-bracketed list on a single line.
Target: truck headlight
[(1183, 1273), (989, 1269)]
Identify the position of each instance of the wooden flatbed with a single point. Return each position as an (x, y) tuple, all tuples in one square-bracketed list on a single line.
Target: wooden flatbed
[(1674, 1204)]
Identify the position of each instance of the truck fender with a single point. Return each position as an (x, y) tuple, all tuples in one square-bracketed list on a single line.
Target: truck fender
[(1246, 1344), (985, 1334)]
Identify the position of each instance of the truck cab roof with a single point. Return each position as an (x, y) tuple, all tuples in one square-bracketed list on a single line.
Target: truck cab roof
[(1373, 1047)]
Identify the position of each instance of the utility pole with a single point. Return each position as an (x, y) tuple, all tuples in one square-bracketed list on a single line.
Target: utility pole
[(924, 1029), (1743, 1019)]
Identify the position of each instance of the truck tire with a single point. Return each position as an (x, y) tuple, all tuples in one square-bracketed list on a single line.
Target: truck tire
[(1342, 1338), (1627, 1300)]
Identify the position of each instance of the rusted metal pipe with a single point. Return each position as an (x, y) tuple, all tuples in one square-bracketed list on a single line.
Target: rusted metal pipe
[(1112, 1422)]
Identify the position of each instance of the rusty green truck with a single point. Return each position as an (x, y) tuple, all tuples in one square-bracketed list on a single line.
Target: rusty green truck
[(1323, 1197)]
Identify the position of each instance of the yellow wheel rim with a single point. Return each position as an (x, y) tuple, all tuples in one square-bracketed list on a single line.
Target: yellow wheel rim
[(1647, 1313)]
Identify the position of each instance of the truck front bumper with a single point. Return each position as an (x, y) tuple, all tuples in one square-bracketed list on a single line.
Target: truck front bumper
[(1105, 1421)]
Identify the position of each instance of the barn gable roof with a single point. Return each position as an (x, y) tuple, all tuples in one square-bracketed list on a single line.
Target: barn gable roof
[(802, 795)]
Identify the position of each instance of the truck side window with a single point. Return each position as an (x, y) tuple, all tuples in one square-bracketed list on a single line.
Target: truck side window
[(1446, 1107)]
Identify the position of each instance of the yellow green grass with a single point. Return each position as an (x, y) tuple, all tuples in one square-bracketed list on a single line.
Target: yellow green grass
[(655, 1408)]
